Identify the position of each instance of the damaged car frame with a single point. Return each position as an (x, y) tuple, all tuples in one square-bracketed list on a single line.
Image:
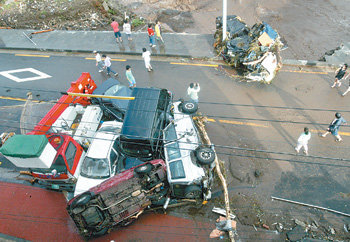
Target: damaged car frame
[(255, 50)]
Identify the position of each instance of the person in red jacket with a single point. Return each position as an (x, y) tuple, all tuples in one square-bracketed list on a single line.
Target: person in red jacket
[(116, 30), (151, 35)]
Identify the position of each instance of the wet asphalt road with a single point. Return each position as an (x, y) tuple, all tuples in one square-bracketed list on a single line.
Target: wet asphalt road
[(323, 182)]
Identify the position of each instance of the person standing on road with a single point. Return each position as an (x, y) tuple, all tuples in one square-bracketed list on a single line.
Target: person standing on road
[(108, 65), (127, 29), (334, 127), (146, 55), (158, 29), (116, 30), (193, 90), (303, 141), (151, 35), (99, 62), (130, 77), (339, 74)]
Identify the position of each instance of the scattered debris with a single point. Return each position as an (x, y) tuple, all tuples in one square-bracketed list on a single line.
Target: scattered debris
[(298, 222), (222, 212), (255, 50), (296, 234), (266, 226), (331, 230), (222, 225)]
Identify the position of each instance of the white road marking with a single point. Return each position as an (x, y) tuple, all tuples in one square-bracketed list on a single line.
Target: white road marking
[(40, 75)]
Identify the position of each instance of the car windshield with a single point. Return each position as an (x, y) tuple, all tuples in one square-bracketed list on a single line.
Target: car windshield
[(112, 90), (173, 151), (95, 168), (170, 133), (110, 129)]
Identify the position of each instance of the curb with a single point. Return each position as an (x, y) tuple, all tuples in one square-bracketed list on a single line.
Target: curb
[(90, 51), (308, 63)]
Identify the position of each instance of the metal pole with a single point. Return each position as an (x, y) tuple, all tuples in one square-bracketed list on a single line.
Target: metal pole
[(224, 19)]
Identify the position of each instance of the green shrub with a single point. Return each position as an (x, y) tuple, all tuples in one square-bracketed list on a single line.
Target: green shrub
[(137, 22)]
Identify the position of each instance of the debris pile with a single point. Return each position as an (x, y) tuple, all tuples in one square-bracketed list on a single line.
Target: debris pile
[(255, 49)]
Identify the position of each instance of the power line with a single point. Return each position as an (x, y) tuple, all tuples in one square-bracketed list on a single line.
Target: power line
[(210, 103)]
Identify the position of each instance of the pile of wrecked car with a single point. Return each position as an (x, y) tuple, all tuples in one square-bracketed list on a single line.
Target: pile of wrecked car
[(255, 50), (118, 158)]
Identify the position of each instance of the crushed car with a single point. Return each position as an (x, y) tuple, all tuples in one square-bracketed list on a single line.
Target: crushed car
[(112, 108), (255, 50), (118, 200), (189, 162)]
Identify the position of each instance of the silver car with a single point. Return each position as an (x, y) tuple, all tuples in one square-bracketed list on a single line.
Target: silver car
[(189, 163)]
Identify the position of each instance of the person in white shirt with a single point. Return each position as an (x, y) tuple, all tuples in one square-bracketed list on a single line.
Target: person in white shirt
[(303, 141), (99, 62), (108, 65), (146, 55), (193, 91), (127, 28)]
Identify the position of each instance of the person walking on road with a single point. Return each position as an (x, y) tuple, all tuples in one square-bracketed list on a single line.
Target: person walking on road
[(193, 90), (339, 74), (158, 29), (99, 62), (146, 55), (303, 141), (334, 127), (130, 77), (127, 28), (151, 35), (116, 30), (108, 65)]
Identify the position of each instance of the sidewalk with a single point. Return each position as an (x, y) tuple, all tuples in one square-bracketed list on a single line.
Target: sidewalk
[(176, 45)]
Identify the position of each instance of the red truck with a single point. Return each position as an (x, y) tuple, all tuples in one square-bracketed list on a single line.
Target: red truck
[(53, 151)]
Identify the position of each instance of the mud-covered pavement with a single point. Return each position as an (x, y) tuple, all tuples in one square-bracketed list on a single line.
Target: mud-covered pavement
[(310, 28)]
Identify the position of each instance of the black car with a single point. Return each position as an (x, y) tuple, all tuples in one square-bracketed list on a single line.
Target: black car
[(113, 108), (145, 118)]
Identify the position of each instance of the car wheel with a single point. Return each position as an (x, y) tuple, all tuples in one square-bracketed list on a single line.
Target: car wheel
[(144, 169), (81, 200), (193, 192), (205, 155), (189, 107)]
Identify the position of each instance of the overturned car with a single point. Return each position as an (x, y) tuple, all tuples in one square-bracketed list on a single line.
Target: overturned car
[(118, 200), (255, 50)]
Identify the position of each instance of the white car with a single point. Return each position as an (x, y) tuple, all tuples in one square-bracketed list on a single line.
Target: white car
[(189, 163), (101, 159)]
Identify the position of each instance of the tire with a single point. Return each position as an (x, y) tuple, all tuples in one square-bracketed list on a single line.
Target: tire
[(193, 192), (189, 107), (144, 169), (205, 155), (81, 200)]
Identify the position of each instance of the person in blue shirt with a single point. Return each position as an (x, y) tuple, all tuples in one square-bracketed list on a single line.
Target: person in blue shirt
[(130, 77)]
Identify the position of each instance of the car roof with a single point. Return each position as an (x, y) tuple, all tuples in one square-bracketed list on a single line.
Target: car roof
[(141, 112), (122, 91), (103, 141)]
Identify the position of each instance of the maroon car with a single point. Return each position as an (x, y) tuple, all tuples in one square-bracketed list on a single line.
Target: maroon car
[(118, 200)]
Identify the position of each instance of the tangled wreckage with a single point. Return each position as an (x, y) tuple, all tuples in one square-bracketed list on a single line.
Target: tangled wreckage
[(255, 50)]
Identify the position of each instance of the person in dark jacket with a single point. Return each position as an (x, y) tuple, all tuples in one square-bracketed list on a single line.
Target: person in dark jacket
[(334, 126), (339, 74)]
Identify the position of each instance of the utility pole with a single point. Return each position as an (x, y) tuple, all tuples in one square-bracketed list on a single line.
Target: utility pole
[(224, 19)]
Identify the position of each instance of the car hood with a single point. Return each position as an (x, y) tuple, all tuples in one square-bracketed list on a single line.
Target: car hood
[(83, 184)]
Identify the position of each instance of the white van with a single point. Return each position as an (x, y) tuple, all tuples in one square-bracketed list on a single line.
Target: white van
[(101, 158)]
